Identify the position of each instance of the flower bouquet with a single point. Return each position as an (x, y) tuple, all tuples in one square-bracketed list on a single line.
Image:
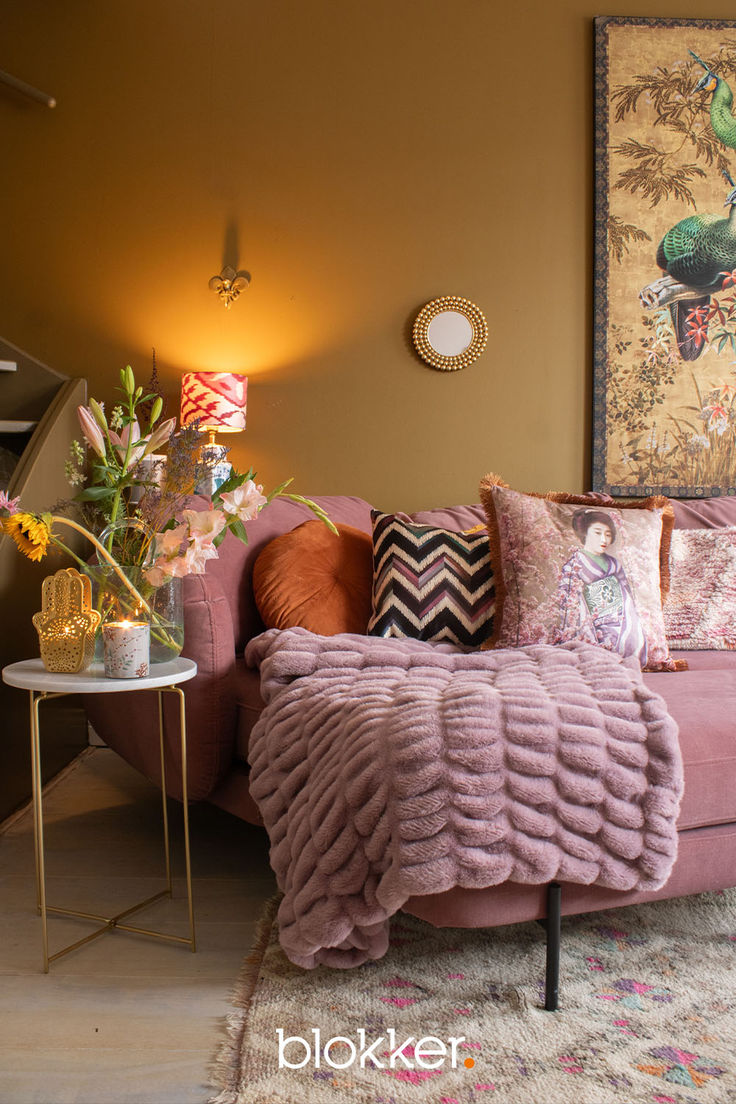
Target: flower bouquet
[(132, 485)]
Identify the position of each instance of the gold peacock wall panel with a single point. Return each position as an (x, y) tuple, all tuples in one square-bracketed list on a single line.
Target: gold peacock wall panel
[(665, 280)]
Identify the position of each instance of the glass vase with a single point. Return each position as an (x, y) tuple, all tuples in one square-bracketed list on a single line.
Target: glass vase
[(134, 597), (115, 600)]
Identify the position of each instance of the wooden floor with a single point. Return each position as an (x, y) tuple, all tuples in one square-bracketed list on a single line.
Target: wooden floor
[(124, 1018)]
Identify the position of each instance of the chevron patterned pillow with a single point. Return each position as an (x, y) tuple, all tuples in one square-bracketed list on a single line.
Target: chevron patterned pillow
[(430, 584)]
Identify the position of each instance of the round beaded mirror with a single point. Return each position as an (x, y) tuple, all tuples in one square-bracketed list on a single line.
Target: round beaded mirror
[(450, 333)]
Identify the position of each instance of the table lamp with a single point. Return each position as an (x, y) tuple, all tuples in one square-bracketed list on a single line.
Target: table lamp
[(217, 400)]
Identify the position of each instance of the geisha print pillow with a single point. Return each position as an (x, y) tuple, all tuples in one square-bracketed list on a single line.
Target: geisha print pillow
[(576, 572)]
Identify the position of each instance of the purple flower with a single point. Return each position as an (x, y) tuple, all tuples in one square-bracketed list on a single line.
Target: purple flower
[(9, 504)]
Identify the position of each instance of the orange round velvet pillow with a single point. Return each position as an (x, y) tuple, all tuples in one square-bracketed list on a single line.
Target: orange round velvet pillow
[(312, 578)]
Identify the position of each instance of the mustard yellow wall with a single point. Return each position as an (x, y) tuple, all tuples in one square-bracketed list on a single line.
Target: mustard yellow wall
[(358, 159)]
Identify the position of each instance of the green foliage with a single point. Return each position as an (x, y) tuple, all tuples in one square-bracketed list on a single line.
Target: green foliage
[(237, 529), (318, 512), (96, 494), (233, 481)]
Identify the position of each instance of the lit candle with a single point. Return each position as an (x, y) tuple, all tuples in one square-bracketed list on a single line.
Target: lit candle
[(126, 649)]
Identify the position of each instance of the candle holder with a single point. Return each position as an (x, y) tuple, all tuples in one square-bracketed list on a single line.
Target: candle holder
[(127, 649), (66, 624)]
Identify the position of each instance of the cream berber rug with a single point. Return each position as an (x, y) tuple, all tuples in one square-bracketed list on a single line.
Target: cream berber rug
[(647, 1014)]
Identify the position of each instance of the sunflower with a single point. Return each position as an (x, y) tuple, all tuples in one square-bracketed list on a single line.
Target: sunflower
[(30, 533)]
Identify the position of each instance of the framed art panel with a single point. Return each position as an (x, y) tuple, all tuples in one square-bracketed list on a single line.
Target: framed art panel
[(665, 257)]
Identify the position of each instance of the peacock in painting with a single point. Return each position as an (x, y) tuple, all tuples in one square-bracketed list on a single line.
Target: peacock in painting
[(698, 254), (721, 118)]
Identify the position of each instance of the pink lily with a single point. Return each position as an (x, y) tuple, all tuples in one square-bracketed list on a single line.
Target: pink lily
[(160, 436), (132, 433), (91, 431)]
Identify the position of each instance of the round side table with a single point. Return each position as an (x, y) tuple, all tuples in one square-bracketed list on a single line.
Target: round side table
[(43, 685)]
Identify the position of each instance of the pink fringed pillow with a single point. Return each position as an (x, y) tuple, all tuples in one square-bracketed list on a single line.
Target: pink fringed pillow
[(700, 611), (576, 572)]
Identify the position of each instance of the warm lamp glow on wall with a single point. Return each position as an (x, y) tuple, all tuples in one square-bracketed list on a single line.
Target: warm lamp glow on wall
[(217, 401)]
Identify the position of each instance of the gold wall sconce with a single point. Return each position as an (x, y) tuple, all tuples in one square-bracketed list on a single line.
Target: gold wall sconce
[(229, 284)]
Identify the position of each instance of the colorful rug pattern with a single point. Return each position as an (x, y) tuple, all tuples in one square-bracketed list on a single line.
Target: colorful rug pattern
[(647, 1015)]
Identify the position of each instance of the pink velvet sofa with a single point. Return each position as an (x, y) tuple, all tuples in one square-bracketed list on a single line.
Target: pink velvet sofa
[(223, 703)]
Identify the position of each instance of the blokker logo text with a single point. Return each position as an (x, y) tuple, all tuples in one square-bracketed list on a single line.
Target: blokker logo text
[(384, 1052)]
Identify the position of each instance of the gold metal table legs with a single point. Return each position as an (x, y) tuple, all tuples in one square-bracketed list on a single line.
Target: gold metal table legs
[(110, 923)]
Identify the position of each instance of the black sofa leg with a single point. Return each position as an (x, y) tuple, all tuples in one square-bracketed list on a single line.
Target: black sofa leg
[(552, 925)]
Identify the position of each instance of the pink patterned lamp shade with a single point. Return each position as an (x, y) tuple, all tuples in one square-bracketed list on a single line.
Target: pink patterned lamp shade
[(217, 399)]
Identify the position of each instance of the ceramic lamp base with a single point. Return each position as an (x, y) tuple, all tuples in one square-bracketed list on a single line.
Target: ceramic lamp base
[(218, 470)]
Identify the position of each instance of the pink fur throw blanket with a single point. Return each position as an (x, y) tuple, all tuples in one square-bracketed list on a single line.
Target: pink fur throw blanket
[(385, 768)]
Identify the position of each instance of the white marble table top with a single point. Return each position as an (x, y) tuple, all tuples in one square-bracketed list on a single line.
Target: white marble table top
[(30, 674)]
